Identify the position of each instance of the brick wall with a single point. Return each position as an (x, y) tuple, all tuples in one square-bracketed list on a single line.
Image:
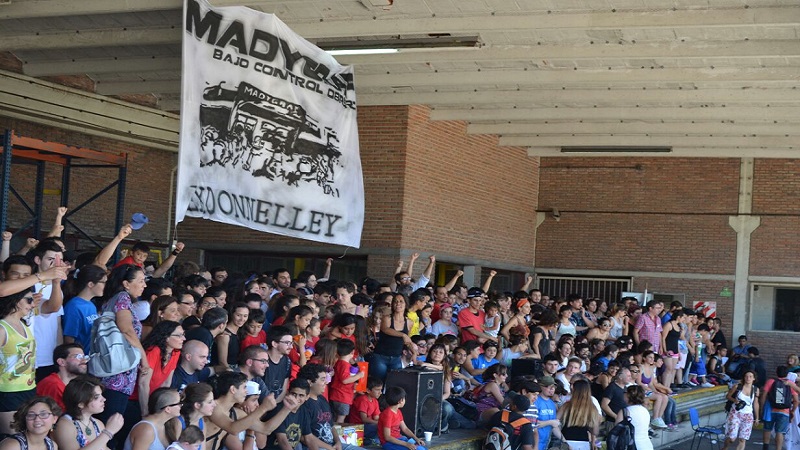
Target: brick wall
[(776, 198), (147, 190)]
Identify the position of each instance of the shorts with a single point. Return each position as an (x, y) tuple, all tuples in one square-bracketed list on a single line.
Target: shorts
[(340, 409), (681, 361), (739, 426), (10, 401), (779, 422)]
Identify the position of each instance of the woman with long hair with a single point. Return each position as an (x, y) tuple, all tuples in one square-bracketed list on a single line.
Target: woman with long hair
[(164, 307), (518, 323), (374, 323), (153, 431), (565, 325), (670, 335), (125, 284), (391, 338), (580, 420), (17, 379), (619, 321), (79, 310), (163, 349), (639, 416), (227, 342), (744, 411), (32, 422), (647, 382), (489, 399), (77, 429), (543, 333)]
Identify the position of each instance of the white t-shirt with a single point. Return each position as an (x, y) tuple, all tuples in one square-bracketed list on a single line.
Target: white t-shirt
[(45, 329)]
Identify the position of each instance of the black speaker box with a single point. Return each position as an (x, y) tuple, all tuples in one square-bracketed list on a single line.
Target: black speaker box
[(424, 392), (526, 366)]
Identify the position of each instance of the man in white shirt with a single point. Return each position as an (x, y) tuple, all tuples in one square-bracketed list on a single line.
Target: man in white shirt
[(46, 320)]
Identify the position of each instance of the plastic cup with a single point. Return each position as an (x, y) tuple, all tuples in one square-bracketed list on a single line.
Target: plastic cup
[(428, 436)]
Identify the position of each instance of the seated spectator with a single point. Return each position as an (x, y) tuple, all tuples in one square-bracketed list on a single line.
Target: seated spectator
[(392, 430), (614, 395), (29, 434), (287, 435), (485, 360), (71, 362), (365, 410), (192, 365), (489, 397)]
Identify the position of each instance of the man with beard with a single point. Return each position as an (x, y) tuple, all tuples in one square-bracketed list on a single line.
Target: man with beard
[(71, 362)]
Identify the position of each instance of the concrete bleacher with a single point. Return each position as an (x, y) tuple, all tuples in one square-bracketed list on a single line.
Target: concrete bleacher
[(709, 402)]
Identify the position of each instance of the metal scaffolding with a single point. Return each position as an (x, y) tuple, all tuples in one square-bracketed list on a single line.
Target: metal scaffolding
[(25, 150)]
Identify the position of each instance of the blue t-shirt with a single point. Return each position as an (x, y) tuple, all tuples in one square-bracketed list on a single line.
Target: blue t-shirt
[(180, 379), (547, 411), (79, 315), (481, 363)]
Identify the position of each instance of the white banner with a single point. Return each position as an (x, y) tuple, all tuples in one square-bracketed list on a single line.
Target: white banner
[(269, 139)]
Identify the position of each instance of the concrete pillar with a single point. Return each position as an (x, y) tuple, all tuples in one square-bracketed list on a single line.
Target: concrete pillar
[(744, 227)]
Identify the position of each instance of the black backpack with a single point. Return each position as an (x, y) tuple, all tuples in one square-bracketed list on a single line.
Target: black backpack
[(621, 436), (780, 395)]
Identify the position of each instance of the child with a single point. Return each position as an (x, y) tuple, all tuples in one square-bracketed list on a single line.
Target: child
[(191, 438), (342, 387), (331, 311), (252, 333), (312, 332), (697, 373), (391, 424), (488, 358), (365, 410), (491, 325)]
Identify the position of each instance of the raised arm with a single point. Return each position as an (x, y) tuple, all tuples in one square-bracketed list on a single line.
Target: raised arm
[(30, 244), (429, 268), (5, 250), (167, 264), (411, 261), (327, 275), (397, 269), (488, 283), (58, 227), (452, 283), (528, 282), (13, 286), (107, 252)]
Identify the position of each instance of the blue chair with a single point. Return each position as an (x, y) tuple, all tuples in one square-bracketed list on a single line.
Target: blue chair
[(700, 432)]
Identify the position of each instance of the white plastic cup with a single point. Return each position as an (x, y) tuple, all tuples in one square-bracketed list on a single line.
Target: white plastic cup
[(428, 436)]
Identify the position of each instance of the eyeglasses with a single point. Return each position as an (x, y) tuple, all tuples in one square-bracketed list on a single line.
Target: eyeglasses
[(80, 357), (187, 303), (285, 342), (178, 335), (44, 415), (209, 304), (173, 404), (634, 371), (405, 278), (262, 361)]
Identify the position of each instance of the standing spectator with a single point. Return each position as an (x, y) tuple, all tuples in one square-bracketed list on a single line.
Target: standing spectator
[(648, 326), (471, 319), (548, 423), (393, 335), (165, 307), (582, 319), (46, 324), (71, 362), (80, 312), (227, 343), (17, 373), (777, 415), (640, 417), (124, 284), (579, 418), (342, 387), (739, 424), (213, 324), (77, 428), (445, 323), (542, 336), (163, 349)]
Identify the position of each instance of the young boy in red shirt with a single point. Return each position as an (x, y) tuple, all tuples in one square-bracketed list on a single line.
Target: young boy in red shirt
[(391, 424), (365, 410), (253, 333), (342, 387)]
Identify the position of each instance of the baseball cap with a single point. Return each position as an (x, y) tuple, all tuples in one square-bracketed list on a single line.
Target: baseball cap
[(138, 220), (251, 387), (546, 381), (475, 292)]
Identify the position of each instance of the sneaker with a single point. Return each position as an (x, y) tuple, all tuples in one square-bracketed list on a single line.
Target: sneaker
[(658, 423), (672, 427), (692, 383), (707, 385)]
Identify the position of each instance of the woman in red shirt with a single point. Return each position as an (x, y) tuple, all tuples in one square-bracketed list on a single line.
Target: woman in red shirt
[(163, 350)]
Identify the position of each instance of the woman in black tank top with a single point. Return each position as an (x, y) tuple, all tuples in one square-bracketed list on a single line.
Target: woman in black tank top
[(391, 339)]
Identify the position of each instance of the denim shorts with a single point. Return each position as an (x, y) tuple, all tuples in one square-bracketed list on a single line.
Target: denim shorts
[(779, 422)]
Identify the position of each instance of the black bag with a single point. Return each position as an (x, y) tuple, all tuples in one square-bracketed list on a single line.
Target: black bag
[(465, 407), (780, 395), (621, 436), (729, 404)]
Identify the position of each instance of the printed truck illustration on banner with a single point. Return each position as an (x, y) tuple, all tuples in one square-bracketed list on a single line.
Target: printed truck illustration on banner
[(268, 137)]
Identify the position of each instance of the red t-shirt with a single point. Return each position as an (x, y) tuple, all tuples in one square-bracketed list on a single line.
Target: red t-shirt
[(160, 374), (260, 339), (340, 392), (278, 321), (363, 403), (53, 387), (437, 307), (389, 419), (467, 319), (127, 260)]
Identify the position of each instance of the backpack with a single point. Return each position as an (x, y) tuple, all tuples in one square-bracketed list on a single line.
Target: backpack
[(110, 351), (499, 437), (780, 395), (621, 436)]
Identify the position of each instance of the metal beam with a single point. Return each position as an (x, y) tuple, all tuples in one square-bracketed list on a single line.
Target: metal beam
[(495, 115), (632, 97), (566, 77), (52, 104), (101, 66), (19, 9), (392, 25), (638, 127), (139, 87), (552, 140), (677, 152)]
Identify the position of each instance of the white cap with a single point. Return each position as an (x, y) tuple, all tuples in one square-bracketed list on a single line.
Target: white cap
[(252, 388)]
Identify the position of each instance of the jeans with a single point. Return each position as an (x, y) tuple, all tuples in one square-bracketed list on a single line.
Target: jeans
[(391, 446), (370, 431), (669, 413), (380, 365), (452, 419)]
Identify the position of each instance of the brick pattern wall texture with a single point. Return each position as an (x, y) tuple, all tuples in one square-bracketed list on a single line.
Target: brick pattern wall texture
[(776, 198)]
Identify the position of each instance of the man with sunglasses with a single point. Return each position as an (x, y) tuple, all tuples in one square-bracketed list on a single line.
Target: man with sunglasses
[(71, 362)]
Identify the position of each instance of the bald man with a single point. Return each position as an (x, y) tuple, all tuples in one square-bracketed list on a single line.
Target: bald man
[(192, 367)]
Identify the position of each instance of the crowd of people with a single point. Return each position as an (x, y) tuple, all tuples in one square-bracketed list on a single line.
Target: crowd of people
[(259, 360)]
